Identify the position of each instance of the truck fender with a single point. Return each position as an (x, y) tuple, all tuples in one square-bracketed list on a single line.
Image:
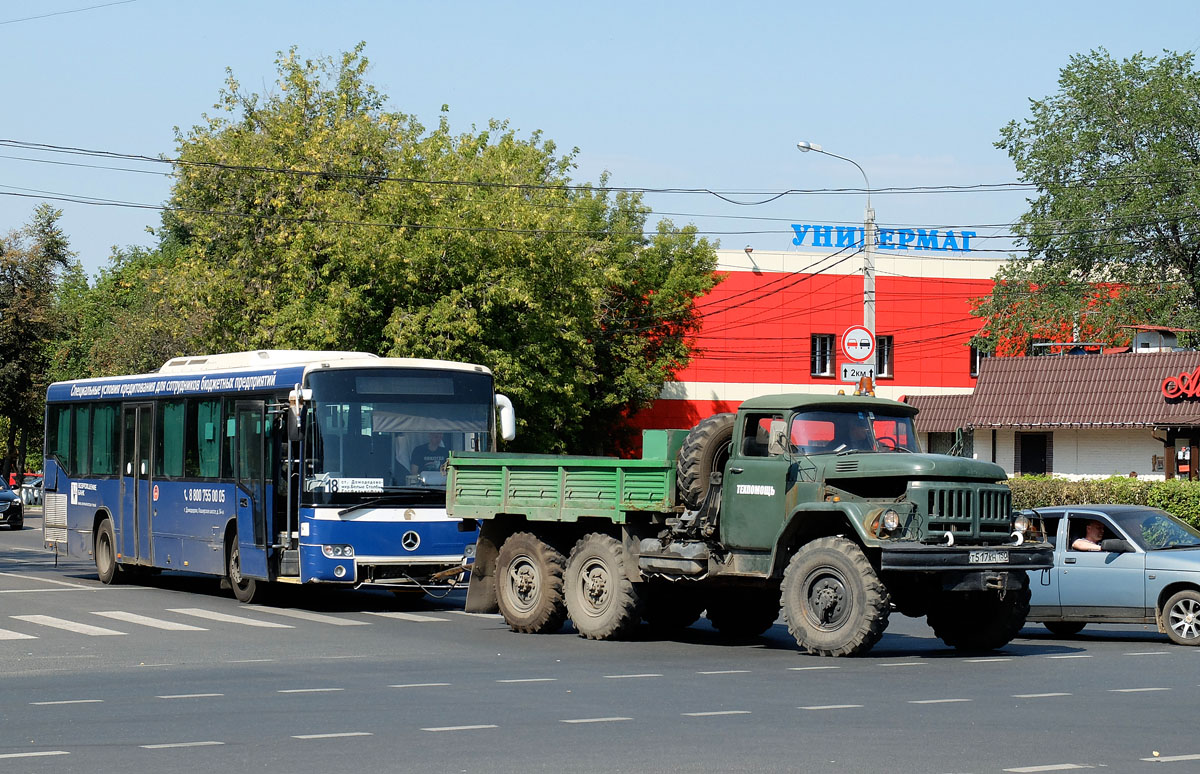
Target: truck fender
[(812, 521), (481, 590)]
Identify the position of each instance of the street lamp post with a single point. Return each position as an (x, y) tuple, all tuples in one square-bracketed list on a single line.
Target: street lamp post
[(868, 240)]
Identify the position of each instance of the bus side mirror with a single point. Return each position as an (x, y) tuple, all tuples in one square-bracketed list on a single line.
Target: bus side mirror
[(296, 399), (508, 417)]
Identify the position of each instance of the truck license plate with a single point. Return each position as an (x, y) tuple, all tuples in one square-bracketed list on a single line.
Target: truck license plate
[(987, 557)]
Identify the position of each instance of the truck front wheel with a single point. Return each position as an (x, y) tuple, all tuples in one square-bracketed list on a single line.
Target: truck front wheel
[(833, 601), (979, 620), (601, 600), (529, 585)]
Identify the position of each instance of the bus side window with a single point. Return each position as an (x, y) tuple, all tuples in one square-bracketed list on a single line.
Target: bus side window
[(58, 445), (81, 447), (104, 441)]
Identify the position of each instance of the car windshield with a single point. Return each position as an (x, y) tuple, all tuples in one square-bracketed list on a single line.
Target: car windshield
[(834, 432), (1153, 530)]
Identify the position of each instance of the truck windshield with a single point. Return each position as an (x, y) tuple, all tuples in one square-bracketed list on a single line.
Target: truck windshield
[(373, 431), (832, 432)]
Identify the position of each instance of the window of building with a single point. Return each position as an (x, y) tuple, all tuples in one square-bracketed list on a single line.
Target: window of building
[(822, 354), (1033, 454), (977, 356), (884, 356)]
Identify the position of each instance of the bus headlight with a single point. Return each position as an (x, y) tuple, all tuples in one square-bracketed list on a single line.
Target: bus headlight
[(337, 551)]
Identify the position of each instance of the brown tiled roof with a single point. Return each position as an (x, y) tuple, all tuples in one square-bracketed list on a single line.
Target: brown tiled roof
[(940, 413), (1119, 390)]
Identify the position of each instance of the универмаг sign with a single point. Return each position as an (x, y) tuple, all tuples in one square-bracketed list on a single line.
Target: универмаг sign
[(889, 238)]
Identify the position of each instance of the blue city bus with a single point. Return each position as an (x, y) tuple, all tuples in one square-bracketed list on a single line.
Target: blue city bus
[(273, 466)]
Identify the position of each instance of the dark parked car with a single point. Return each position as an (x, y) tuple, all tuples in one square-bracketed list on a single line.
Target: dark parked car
[(1146, 571), (12, 512)]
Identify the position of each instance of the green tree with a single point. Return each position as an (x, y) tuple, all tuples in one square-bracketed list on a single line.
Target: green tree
[(1114, 229), (314, 217), (31, 260)]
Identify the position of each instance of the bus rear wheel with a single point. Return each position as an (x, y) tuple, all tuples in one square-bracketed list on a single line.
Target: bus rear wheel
[(105, 551), (246, 590)]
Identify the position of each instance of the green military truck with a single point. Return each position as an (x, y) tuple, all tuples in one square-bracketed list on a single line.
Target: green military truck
[(822, 505)]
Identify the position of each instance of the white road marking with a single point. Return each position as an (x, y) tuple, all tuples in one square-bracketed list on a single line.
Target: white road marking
[(191, 696), (1038, 695), (420, 685), (831, 706), (54, 581), (477, 615), (5, 634), (34, 754), (1049, 767), (310, 690), (726, 672), (904, 663), (70, 626), (530, 680), (986, 660), (333, 736), (712, 714), (213, 615), (307, 615), (145, 620), (1149, 653), (626, 677), (1172, 758), (459, 728), (66, 701), (1072, 655), (939, 701), (809, 669), (169, 745), (250, 661), (1136, 690), (416, 617), (595, 720)]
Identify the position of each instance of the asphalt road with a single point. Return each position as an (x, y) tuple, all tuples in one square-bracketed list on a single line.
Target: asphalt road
[(173, 675)]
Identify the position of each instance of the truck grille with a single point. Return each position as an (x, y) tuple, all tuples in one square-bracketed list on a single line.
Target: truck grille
[(979, 512)]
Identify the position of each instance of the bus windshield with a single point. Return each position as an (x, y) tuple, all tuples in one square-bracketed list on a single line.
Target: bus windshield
[(390, 430)]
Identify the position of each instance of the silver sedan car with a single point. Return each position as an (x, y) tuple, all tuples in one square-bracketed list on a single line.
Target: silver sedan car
[(1134, 565)]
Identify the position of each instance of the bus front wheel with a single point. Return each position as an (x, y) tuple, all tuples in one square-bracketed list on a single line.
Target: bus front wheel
[(244, 589), (106, 554)]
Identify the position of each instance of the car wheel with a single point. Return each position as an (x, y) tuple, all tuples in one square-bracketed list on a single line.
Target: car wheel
[(1181, 614)]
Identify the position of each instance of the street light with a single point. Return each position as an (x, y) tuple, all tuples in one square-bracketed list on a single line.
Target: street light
[(868, 239)]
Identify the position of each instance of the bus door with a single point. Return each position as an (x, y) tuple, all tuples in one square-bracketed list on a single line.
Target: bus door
[(250, 469), (137, 507)]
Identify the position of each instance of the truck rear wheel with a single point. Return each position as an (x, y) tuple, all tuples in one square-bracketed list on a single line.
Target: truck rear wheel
[(833, 601), (977, 621), (529, 585), (743, 612), (601, 600), (705, 450)]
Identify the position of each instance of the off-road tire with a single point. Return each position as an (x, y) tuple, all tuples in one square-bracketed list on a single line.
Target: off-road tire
[(105, 552), (979, 621), (601, 600), (742, 613), (529, 584), (669, 607), (1181, 616), (245, 590), (1064, 628), (833, 601), (705, 450)]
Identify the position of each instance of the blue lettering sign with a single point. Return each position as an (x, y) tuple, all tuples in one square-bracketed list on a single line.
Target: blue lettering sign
[(950, 243), (907, 235), (927, 240), (822, 236), (885, 238), (848, 236), (801, 232), (889, 238)]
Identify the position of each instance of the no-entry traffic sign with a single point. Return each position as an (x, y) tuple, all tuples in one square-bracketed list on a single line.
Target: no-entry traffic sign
[(858, 344)]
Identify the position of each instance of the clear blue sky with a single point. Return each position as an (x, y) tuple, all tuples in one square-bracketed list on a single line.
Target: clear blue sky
[(660, 94)]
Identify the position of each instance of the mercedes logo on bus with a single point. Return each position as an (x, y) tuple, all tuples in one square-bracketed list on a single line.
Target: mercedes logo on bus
[(410, 541)]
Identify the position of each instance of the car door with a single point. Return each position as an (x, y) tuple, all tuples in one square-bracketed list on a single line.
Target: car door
[(1100, 585), (1044, 603)]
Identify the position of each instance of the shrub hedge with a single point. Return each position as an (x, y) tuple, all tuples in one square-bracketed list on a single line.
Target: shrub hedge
[(1178, 497)]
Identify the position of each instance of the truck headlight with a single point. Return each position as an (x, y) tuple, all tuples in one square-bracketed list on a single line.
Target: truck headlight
[(1020, 523), (337, 551), (889, 520)]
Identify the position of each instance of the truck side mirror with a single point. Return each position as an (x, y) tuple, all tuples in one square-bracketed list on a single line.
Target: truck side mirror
[(777, 444)]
